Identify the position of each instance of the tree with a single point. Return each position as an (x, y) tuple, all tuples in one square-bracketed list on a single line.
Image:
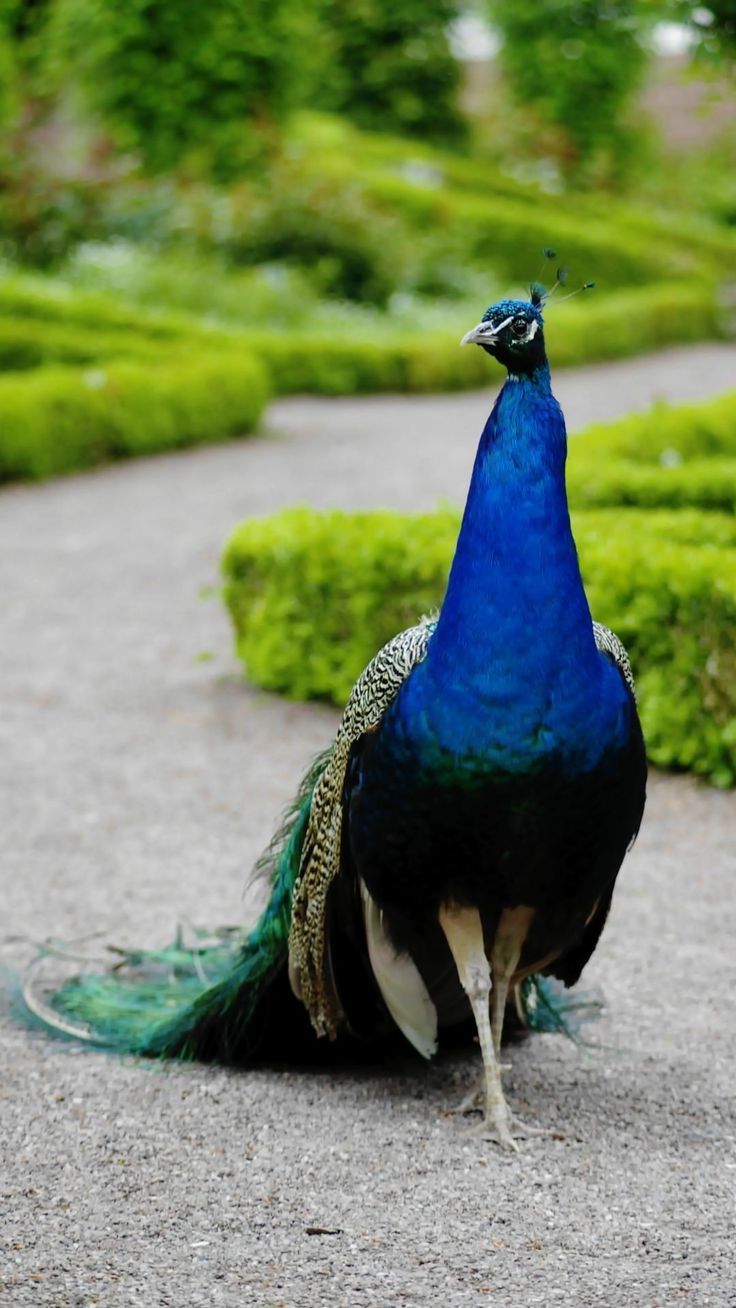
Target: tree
[(394, 70), (576, 65), (191, 81), (713, 25)]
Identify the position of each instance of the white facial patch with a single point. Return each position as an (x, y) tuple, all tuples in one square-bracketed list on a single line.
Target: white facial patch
[(498, 327)]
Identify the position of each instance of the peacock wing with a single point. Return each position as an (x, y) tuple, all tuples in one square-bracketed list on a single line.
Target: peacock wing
[(309, 964), (608, 643)]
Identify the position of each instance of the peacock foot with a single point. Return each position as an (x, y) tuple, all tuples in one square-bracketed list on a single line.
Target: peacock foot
[(505, 1128), (497, 1125), (474, 1100)]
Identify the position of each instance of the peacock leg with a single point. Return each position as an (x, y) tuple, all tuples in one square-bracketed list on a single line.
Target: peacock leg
[(508, 942), (464, 933)]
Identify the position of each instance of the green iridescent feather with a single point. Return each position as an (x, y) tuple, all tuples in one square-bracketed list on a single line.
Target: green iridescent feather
[(549, 1008), (198, 1001)]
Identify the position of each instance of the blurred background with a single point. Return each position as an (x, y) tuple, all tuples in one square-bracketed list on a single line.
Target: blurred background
[(359, 167), (204, 207)]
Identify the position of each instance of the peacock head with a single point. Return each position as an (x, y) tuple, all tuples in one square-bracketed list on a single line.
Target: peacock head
[(513, 332)]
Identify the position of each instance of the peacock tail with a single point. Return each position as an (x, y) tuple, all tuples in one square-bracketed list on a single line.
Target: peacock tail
[(544, 1005), (198, 1002)]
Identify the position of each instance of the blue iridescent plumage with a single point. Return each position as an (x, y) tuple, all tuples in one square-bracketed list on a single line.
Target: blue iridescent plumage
[(537, 673)]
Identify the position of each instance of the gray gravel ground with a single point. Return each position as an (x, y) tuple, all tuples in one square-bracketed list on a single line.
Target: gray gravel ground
[(140, 777)]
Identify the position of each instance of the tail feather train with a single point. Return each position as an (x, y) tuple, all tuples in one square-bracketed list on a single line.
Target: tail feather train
[(226, 997), (201, 1002)]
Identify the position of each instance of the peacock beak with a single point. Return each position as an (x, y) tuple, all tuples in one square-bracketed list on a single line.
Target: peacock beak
[(483, 334)]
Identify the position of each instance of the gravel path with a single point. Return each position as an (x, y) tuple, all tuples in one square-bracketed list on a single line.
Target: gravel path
[(140, 777)]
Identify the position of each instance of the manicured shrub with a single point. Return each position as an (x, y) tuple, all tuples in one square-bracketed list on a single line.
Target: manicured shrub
[(25, 343), (69, 419), (335, 145), (705, 483), (313, 596), (351, 357), (616, 326), (669, 457), (631, 322), (49, 299), (354, 247), (677, 432)]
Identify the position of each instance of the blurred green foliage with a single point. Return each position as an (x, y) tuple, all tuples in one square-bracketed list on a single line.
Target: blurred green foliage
[(191, 84), (576, 64), (8, 102), (393, 68), (668, 458), (354, 247), (204, 87), (713, 26)]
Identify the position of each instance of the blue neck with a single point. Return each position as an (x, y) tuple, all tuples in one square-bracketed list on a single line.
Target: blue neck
[(513, 664)]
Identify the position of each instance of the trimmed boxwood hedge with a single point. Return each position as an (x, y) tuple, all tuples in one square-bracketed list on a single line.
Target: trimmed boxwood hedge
[(26, 343), (350, 362), (667, 458), (64, 419), (337, 147), (55, 421), (613, 327), (314, 595), (509, 232)]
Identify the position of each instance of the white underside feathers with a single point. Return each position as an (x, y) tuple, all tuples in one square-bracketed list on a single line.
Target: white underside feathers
[(404, 992)]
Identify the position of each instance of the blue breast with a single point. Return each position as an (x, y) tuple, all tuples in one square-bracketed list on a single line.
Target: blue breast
[(512, 675)]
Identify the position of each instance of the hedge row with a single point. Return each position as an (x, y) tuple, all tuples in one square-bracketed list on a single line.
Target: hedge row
[(50, 300), (64, 420), (313, 596), (91, 328), (667, 458), (25, 343), (687, 431), (617, 326), (510, 231), (338, 143), (39, 411)]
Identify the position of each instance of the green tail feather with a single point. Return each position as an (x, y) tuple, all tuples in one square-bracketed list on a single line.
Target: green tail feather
[(197, 1002), (547, 1006)]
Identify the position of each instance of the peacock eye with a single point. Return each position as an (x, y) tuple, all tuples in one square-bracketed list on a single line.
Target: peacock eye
[(519, 327)]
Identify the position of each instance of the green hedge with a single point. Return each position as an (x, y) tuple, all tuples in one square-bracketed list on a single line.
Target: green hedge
[(25, 343), (312, 596), (55, 421), (706, 483), (63, 419), (614, 327), (692, 431), (335, 142), (668, 457), (351, 358), (632, 322), (508, 231), (51, 300)]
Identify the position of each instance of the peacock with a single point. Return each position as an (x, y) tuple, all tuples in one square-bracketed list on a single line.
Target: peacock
[(451, 859)]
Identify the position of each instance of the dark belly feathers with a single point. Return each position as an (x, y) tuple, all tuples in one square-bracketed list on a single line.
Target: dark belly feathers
[(552, 839)]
